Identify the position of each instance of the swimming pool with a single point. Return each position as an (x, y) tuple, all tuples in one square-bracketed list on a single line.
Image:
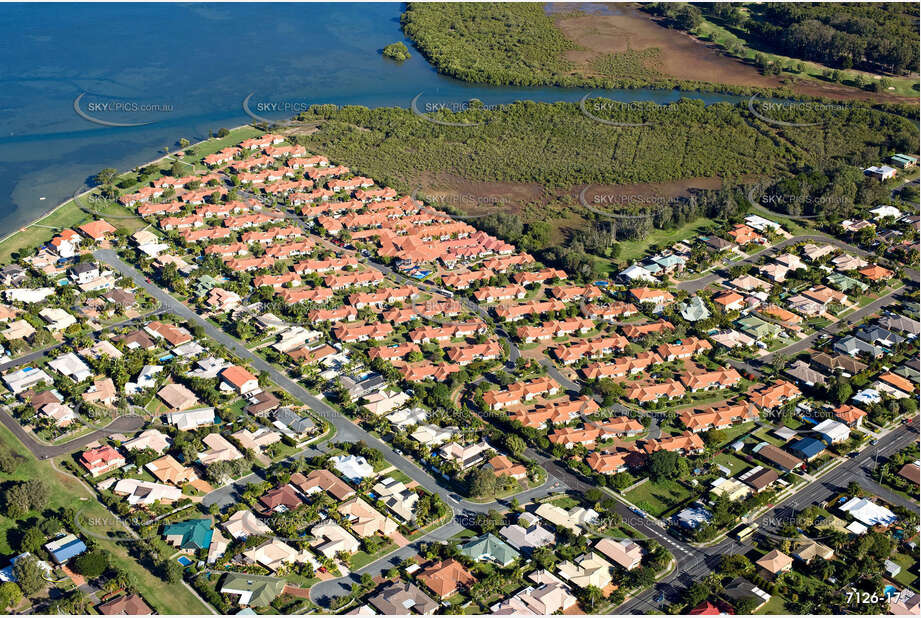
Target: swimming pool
[(890, 590), (184, 561)]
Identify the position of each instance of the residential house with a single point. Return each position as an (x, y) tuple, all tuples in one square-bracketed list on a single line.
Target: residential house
[(398, 598), (331, 538), (101, 460), (253, 590), (488, 548), (244, 523), (445, 577), (773, 564), (589, 569), (190, 535), (624, 553)]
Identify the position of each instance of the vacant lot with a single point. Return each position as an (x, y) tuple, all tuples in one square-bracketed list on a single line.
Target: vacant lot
[(657, 498)]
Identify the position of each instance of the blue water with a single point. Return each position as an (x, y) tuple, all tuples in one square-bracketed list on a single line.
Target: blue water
[(183, 560), (890, 590), (199, 61)]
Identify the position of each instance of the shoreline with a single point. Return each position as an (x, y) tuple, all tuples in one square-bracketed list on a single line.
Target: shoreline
[(73, 198)]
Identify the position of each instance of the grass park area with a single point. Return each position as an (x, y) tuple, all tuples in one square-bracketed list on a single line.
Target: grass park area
[(658, 497), (67, 492)]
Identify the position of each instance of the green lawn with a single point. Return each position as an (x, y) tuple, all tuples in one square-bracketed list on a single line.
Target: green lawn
[(735, 463), (909, 574), (764, 435), (777, 605), (658, 497), (66, 491), (565, 502)]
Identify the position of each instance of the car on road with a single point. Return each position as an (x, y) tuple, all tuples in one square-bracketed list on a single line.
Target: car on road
[(455, 497)]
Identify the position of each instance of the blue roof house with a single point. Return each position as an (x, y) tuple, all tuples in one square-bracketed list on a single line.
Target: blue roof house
[(64, 548), (807, 448)]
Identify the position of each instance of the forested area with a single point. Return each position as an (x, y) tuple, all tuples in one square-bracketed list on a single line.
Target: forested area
[(546, 143), (872, 36)]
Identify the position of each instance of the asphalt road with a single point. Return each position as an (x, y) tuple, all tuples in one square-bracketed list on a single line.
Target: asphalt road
[(122, 424)]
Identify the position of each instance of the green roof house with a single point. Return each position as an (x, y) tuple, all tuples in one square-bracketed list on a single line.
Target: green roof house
[(845, 283), (490, 549), (203, 285), (903, 161), (254, 590), (192, 534), (758, 328), (694, 309)]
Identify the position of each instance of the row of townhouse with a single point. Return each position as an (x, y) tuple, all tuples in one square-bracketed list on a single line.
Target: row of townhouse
[(592, 348), (621, 367), (590, 433), (554, 328), (558, 412), (385, 296), (448, 332), (520, 392)]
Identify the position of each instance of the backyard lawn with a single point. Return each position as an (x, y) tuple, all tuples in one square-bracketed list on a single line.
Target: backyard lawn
[(731, 461), (909, 573)]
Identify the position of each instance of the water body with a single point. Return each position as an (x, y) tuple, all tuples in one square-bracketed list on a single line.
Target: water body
[(191, 66)]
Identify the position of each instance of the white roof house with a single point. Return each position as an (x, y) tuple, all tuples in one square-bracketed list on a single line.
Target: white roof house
[(881, 212), (353, 467), (433, 435), (191, 419), (407, 417), (635, 272), (869, 513), (25, 378), (833, 431), (145, 492), (57, 318), (26, 295), (71, 366), (760, 223)]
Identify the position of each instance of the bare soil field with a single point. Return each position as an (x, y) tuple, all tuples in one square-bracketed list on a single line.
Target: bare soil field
[(618, 28)]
